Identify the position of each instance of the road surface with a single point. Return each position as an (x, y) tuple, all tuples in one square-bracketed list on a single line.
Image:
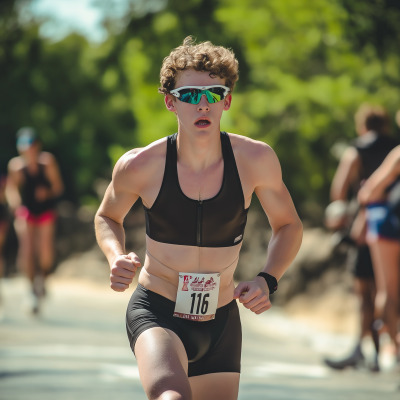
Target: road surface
[(78, 349)]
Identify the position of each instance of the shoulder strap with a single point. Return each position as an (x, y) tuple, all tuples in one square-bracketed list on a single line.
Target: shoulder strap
[(229, 159), (170, 173)]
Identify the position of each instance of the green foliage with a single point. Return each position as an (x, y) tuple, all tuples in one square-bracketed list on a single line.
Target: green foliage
[(305, 67)]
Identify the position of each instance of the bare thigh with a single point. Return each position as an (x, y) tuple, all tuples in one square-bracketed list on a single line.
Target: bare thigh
[(45, 245), (223, 385), (163, 365), (26, 239), (386, 257)]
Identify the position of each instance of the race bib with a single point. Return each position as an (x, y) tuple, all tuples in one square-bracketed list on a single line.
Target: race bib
[(197, 296)]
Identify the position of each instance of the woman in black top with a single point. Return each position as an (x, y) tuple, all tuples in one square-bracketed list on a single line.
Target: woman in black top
[(33, 186)]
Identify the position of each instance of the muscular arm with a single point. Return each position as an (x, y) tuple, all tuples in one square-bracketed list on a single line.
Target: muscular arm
[(286, 227), (14, 178), (120, 195), (347, 173), (53, 175), (374, 188)]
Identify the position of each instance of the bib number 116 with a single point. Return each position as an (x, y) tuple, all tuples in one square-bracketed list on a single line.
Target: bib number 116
[(204, 304)]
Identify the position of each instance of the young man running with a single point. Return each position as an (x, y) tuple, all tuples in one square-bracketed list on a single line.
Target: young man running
[(196, 187)]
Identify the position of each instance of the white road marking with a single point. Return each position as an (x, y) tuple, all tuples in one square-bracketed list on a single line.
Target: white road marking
[(290, 369)]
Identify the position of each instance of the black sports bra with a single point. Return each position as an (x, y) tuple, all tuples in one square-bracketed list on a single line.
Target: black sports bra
[(217, 222), (30, 184)]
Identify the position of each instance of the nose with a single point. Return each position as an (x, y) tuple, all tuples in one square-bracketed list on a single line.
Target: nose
[(203, 105)]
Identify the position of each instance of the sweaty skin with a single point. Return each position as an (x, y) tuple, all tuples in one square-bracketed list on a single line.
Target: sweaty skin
[(139, 173), (161, 357)]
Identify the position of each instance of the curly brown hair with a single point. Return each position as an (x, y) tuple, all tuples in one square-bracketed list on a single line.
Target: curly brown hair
[(217, 60)]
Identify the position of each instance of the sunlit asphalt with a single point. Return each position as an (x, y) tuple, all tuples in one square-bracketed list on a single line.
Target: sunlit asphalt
[(77, 349)]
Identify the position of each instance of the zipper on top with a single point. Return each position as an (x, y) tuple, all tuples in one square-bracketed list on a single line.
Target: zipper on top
[(199, 219)]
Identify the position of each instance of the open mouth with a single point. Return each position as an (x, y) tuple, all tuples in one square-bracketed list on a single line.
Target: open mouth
[(202, 123)]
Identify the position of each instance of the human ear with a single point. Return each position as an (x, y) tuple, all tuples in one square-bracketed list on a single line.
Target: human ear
[(169, 101), (227, 102)]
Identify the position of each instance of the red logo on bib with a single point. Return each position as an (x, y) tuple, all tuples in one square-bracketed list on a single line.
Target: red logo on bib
[(209, 285), (186, 282), (197, 285)]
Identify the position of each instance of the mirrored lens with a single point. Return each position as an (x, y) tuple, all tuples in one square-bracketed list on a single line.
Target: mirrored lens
[(193, 96), (214, 95)]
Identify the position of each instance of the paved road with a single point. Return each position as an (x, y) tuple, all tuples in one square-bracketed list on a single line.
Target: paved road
[(78, 349)]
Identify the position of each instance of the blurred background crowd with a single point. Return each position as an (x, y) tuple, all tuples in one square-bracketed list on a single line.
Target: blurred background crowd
[(319, 82)]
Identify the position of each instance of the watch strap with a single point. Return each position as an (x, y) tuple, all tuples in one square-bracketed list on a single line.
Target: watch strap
[(271, 282)]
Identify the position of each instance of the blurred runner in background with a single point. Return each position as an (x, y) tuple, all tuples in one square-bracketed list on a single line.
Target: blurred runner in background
[(381, 194), (4, 223), (33, 185), (357, 164)]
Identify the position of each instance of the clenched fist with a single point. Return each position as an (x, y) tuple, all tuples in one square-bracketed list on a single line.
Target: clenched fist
[(123, 271), (254, 295)]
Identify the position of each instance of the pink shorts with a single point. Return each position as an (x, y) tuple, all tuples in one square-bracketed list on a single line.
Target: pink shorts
[(37, 219)]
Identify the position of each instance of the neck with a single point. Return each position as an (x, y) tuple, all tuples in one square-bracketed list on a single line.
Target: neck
[(30, 160), (199, 151)]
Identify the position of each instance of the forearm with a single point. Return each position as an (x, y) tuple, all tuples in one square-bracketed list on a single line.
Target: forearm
[(56, 191), (283, 248), (13, 197), (110, 236)]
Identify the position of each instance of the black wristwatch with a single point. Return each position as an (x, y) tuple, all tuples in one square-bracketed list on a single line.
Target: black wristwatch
[(271, 282)]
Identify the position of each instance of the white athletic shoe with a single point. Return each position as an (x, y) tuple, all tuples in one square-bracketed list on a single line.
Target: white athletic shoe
[(32, 304)]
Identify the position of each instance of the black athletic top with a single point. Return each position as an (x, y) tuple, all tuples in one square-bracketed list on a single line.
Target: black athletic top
[(217, 222), (373, 151), (30, 184)]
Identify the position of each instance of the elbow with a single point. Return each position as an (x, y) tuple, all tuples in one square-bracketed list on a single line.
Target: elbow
[(337, 194), (98, 217), (299, 228), (365, 196)]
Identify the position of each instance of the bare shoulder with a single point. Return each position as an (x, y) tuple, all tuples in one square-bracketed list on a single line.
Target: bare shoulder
[(16, 164), (394, 155), (350, 155), (138, 165), (256, 158), (47, 159)]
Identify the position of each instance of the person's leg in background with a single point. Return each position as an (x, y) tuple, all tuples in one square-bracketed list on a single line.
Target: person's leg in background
[(26, 234), (26, 237), (386, 256), (366, 291), (364, 287), (45, 252)]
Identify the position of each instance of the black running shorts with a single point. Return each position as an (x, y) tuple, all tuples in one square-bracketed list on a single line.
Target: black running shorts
[(363, 268), (211, 346)]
